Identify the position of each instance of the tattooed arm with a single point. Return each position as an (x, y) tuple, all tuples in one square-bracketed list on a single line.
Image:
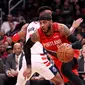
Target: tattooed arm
[(64, 31)]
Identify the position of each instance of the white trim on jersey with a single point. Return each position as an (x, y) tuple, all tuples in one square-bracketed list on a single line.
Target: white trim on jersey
[(31, 28)]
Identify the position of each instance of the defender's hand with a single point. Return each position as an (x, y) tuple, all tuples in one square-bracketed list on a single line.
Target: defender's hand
[(9, 74), (27, 72), (77, 22), (14, 73)]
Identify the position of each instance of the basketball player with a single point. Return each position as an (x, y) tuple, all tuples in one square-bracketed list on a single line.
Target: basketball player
[(48, 10), (51, 35)]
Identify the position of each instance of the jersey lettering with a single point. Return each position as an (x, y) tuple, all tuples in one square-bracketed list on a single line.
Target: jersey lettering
[(52, 43), (31, 29)]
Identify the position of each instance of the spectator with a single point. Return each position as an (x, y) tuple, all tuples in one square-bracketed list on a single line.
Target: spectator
[(81, 63), (9, 24), (57, 4), (83, 30), (66, 13), (57, 16), (3, 53), (13, 65), (21, 22), (9, 50), (9, 40), (79, 36)]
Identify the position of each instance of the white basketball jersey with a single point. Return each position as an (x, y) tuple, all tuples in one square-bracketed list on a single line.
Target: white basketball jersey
[(37, 48)]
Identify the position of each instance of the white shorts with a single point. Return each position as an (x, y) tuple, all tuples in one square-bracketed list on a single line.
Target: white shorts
[(41, 65), (44, 67)]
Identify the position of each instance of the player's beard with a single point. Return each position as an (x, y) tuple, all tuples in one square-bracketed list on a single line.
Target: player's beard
[(48, 30)]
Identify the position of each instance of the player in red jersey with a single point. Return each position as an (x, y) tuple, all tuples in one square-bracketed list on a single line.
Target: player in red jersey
[(51, 35)]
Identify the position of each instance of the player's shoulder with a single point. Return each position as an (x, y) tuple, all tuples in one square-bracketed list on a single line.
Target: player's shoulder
[(34, 25), (61, 24)]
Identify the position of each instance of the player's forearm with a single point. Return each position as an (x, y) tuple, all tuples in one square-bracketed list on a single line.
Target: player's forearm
[(72, 29), (75, 24), (22, 33), (27, 51)]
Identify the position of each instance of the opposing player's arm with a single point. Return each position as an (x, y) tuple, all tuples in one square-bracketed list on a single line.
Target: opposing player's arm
[(75, 24), (16, 37), (30, 42)]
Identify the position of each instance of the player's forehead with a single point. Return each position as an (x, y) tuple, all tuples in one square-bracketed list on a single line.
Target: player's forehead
[(44, 21)]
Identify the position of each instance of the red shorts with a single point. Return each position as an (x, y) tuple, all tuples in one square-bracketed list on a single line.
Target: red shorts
[(58, 63)]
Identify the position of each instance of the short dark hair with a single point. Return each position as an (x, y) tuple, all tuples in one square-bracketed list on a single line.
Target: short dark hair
[(42, 8), (45, 16)]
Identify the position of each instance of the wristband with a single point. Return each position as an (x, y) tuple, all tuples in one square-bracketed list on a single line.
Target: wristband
[(16, 37)]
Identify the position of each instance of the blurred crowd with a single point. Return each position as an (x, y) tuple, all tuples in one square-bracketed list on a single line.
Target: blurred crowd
[(64, 11)]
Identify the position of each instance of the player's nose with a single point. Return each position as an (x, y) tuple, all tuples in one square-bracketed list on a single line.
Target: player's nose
[(42, 25)]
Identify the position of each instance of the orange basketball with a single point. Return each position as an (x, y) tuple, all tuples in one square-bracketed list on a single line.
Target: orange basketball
[(65, 53)]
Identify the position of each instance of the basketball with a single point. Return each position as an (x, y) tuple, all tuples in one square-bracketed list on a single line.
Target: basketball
[(65, 53)]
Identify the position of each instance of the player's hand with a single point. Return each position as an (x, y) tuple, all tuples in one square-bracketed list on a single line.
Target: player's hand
[(27, 72), (14, 73), (9, 74), (77, 22)]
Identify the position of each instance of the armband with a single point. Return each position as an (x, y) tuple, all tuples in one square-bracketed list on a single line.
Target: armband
[(72, 38), (77, 45), (16, 37)]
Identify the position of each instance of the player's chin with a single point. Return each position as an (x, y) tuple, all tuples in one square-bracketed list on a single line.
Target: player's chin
[(44, 31)]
